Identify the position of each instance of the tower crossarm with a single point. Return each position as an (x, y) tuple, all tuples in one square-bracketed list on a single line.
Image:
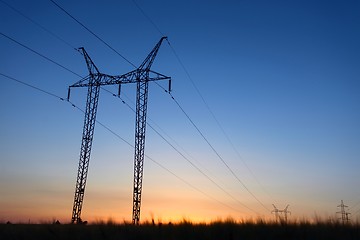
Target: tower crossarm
[(286, 209), (142, 73), (147, 63), (130, 77), (137, 75), (90, 64)]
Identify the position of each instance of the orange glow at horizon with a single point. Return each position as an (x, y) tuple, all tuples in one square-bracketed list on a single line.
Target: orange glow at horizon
[(175, 212), (109, 203), (35, 210)]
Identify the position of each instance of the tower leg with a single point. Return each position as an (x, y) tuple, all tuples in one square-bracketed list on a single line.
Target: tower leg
[(87, 137), (141, 109)]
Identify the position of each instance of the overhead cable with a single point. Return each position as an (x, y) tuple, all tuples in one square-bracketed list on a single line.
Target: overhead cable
[(134, 66), (39, 25), (216, 152), (212, 114), (122, 139), (148, 18), (39, 54), (95, 35), (188, 160)]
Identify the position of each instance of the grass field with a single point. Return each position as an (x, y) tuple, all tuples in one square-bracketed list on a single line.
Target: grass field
[(185, 230)]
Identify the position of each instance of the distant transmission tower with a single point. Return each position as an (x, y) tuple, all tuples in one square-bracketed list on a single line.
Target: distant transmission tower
[(278, 212), (141, 76), (285, 211), (344, 215)]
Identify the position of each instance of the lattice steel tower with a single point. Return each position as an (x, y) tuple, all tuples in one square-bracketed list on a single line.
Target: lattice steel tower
[(277, 211), (344, 214), (141, 76)]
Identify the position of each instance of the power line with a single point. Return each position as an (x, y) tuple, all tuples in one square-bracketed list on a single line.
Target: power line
[(153, 123), (129, 106), (188, 160), (58, 37), (221, 128), (41, 55), (211, 112), (134, 66), (148, 18), (31, 86), (211, 146), (357, 212), (354, 205), (39, 25), (192, 186), (214, 117), (122, 139), (202, 172), (99, 38), (213, 149), (133, 110), (166, 169), (216, 152)]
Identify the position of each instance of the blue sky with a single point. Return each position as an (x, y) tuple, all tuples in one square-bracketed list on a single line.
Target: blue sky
[(281, 77)]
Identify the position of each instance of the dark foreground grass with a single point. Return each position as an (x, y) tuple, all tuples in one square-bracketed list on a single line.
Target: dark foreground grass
[(185, 230)]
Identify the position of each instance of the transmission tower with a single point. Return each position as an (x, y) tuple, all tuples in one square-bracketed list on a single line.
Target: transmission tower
[(285, 211), (344, 215), (92, 81), (278, 212), (141, 76)]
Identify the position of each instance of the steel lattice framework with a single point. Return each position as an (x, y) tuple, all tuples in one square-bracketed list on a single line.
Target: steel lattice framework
[(141, 76)]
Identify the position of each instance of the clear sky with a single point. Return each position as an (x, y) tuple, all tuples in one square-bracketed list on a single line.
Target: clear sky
[(281, 78)]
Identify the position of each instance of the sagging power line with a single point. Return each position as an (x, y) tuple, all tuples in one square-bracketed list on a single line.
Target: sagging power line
[(123, 140), (39, 54), (97, 37), (172, 173), (39, 25), (213, 116), (193, 165), (90, 31)]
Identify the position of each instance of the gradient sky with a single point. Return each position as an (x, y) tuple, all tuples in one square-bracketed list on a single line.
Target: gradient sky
[(281, 77)]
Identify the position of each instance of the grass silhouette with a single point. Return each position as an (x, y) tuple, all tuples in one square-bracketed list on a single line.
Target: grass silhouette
[(228, 229)]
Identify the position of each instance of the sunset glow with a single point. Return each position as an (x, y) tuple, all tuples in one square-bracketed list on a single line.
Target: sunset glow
[(264, 109)]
